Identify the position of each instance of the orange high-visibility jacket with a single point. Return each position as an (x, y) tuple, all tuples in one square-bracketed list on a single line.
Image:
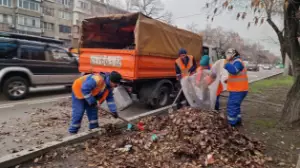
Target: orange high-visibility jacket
[(239, 82), (185, 69), (101, 87)]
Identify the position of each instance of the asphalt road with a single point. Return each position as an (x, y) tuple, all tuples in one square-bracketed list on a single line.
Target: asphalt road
[(44, 98)]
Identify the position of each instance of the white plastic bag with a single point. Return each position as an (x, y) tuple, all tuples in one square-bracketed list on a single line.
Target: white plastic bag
[(121, 97), (198, 93)]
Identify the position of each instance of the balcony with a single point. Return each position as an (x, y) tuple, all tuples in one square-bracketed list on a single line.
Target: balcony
[(28, 29)]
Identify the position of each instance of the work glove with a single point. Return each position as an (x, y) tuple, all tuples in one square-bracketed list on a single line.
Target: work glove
[(115, 115), (91, 101), (179, 78)]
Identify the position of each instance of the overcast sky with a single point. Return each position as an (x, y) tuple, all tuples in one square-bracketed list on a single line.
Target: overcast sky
[(183, 9), (227, 20)]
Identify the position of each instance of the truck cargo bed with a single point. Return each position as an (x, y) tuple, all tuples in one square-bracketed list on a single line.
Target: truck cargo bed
[(130, 65)]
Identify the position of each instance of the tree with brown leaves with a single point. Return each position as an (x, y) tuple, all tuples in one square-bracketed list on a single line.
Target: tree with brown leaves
[(288, 38), (151, 8)]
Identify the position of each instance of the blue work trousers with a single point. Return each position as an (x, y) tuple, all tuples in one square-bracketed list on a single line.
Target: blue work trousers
[(79, 106), (217, 105), (234, 107)]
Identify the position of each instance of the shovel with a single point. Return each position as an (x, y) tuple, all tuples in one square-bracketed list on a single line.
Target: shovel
[(177, 97), (129, 124)]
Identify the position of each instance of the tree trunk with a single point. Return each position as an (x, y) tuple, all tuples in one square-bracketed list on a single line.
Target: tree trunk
[(291, 110)]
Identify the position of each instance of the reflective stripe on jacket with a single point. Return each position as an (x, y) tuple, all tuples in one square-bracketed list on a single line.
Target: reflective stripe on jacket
[(101, 86), (185, 69), (239, 82)]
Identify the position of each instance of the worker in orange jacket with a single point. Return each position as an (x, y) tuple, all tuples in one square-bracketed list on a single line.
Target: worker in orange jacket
[(185, 65), (237, 86), (204, 64), (86, 91)]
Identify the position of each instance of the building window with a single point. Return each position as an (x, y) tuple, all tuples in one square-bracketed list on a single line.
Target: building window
[(83, 5), (65, 15), (6, 3), (66, 3), (29, 5), (29, 21), (5, 18), (47, 26), (64, 29), (48, 11)]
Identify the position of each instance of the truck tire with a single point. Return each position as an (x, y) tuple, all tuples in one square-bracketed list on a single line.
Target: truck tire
[(16, 88), (162, 97)]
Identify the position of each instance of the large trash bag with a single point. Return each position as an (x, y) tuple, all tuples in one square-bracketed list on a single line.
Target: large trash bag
[(122, 99), (223, 74), (200, 88), (191, 91)]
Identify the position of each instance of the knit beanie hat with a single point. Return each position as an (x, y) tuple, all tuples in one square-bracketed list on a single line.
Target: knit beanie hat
[(115, 77), (204, 60), (182, 51)]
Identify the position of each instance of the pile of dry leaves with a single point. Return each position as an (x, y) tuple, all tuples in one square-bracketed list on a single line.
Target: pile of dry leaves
[(186, 139)]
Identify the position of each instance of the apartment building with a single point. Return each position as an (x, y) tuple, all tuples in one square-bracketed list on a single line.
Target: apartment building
[(56, 19), (6, 15), (59, 19), (89, 8)]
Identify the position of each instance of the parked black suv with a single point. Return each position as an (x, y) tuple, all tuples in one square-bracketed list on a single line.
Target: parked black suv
[(25, 64)]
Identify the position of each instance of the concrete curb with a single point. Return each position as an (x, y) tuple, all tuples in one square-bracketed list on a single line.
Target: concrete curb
[(31, 153)]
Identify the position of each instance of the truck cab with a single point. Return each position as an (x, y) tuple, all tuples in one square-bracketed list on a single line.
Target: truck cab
[(213, 56)]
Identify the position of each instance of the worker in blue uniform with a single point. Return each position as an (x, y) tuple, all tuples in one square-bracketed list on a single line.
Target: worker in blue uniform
[(237, 86), (86, 91)]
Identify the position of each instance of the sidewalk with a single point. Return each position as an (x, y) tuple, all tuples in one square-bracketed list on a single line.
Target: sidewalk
[(40, 126)]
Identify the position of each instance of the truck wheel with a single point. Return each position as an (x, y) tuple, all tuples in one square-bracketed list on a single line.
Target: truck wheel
[(16, 88), (161, 98)]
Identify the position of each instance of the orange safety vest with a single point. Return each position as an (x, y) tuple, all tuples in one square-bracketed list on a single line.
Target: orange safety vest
[(101, 86), (239, 82), (185, 69)]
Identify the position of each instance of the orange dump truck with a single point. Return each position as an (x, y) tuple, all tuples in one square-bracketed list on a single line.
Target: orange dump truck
[(142, 49)]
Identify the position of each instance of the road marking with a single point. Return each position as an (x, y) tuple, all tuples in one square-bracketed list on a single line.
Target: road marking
[(254, 76), (6, 106), (47, 100), (31, 102)]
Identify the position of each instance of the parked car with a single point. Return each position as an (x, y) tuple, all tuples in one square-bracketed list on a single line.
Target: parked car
[(25, 64), (252, 67), (267, 67)]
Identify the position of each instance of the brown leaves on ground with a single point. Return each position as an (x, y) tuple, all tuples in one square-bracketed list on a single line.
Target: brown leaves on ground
[(188, 138)]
